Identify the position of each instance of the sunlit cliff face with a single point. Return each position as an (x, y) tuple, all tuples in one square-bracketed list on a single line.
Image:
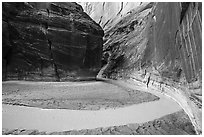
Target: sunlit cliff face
[(160, 40)]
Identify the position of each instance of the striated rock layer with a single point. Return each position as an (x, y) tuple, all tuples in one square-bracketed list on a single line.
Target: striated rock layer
[(49, 41), (161, 42), (107, 14)]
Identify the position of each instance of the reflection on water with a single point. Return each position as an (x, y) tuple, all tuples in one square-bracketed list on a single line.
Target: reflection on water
[(63, 120)]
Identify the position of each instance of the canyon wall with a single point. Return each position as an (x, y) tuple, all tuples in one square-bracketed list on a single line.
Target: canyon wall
[(107, 14), (49, 41), (159, 41)]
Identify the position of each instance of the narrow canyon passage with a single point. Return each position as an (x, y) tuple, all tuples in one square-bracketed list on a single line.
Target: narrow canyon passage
[(52, 120), (102, 68)]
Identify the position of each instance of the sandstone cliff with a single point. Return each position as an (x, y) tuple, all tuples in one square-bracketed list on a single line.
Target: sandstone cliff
[(160, 41), (107, 14), (49, 41)]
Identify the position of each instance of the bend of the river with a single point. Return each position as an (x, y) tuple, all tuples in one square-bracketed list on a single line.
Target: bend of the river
[(52, 120)]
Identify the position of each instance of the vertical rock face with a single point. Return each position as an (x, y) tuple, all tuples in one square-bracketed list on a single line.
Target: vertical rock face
[(49, 41), (177, 35), (181, 34), (163, 41), (108, 14)]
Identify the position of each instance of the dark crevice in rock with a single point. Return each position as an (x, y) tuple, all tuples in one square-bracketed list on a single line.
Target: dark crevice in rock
[(106, 23), (41, 67), (184, 6), (133, 23), (8, 55), (121, 8), (56, 71), (50, 48), (51, 53), (48, 12), (100, 20), (104, 6)]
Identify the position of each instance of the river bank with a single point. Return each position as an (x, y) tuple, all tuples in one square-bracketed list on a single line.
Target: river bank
[(92, 95)]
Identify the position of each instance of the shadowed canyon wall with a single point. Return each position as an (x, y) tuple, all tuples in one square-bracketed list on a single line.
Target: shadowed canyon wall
[(159, 41), (49, 41)]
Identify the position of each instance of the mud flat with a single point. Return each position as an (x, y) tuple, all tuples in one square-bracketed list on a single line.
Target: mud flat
[(93, 95)]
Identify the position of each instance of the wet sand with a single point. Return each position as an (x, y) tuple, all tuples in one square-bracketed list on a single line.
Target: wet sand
[(94, 95)]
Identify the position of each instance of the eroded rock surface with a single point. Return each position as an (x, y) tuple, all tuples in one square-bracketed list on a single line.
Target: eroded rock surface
[(161, 42), (49, 41), (107, 14)]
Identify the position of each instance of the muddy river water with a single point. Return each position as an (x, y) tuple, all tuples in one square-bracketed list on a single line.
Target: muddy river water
[(51, 120)]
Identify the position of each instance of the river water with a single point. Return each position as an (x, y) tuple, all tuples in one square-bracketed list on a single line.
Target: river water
[(51, 120)]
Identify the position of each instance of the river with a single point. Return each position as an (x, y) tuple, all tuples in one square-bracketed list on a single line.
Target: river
[(52, 120)]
